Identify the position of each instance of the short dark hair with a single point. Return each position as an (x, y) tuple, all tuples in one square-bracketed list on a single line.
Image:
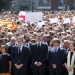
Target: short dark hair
[(49, 36), (24, 36), (4, 46), (56, 40)]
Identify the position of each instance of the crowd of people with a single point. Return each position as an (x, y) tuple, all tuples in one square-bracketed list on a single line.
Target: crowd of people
[(33, 50)]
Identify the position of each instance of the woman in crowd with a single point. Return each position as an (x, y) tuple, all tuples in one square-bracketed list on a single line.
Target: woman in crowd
[(70, 61), (5, 61)]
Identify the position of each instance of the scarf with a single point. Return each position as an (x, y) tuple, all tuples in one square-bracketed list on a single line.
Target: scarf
[(72, 62)]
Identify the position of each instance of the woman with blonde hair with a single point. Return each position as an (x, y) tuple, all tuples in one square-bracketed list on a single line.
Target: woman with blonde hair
[(5, 61)]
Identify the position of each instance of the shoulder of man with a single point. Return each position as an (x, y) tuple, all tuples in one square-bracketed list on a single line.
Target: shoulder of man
[(61, 49), (52, 49), (25, 47), (15, 46), (33, 44)]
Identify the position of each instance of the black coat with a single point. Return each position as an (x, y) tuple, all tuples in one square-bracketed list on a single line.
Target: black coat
[(41, 56), (23, 58), (58, 59)]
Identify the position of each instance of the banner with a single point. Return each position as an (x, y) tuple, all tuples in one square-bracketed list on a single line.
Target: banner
[(34, 16)]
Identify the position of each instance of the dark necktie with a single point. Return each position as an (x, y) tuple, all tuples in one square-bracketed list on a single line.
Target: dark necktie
[(19, 51), (55, 51), (27, 44), (38, 48)]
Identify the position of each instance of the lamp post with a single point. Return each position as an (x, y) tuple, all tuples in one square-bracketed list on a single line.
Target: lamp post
[(32, 6)]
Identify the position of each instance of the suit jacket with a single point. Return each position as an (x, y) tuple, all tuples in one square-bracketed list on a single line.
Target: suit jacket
[(10, 49), (42, 56), (56, 59), (65, 54), (22, 58), (28, 45)]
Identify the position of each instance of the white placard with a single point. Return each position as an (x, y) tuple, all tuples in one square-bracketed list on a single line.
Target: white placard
[(66, 20), (34, 16), (53, 20), (40, 24), (73, 19)]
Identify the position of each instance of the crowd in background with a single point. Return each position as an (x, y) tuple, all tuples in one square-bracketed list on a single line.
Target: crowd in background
[(42, 60)]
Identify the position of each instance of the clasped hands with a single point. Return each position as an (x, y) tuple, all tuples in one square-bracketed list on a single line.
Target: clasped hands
[(69, 69), (54, 66), (38, 64), (18, 66)]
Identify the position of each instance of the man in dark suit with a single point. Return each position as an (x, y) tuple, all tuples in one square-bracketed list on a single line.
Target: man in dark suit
[(28, 44), (39, 56), (20, 56), (56, 57), (66, 45), (10, 46)]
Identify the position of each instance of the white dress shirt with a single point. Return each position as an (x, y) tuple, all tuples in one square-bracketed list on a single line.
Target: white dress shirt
[(20, 47)]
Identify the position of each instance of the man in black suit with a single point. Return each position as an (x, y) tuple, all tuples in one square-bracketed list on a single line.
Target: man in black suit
[(20, 56), (66, 45), (28, 44), (10, 46), (56, 58), (39, 56)]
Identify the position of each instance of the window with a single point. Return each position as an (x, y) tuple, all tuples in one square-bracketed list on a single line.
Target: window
[(73, 4), (22, 8), (61, 2), (44, 3)]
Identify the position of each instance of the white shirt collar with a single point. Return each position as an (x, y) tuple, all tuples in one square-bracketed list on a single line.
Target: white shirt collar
[(39, 43)]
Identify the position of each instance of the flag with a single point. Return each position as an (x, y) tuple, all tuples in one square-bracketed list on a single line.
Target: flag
[(22, 16), (8, 23)]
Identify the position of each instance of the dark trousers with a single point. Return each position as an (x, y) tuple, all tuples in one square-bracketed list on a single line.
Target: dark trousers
[(47, 68), (29, 68), (47, 71), (65, 71), (39, 71), (20, 72), (55, 72), (12, 71)]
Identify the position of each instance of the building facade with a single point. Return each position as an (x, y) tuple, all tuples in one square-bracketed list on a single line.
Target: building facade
[(42, 4)]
